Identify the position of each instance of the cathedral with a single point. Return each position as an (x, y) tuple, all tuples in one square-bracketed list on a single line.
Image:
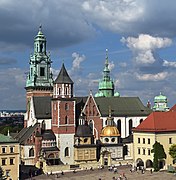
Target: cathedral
[(60, 129)]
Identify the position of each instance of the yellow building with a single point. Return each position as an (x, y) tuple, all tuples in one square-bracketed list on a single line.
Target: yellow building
[(9, 157), (160, 127)]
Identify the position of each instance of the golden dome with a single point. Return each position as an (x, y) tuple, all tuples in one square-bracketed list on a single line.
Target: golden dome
[(110, 131)]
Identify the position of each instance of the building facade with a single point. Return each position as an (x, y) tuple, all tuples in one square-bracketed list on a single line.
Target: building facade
[(9, 157), (160, 127)]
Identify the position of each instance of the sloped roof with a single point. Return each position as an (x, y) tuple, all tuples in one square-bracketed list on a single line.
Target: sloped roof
[(42, 106), (120, 106), (48, 135), (173, 108), (7, 139), (158, 122), (25, 133), (63, 77)]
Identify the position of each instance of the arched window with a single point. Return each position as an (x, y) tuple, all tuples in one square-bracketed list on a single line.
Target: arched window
[(66, 90), (141, 120), (66, 120), (119, 126), (130, 126), (91, 124), (66, 152), (31, 152), (66, 106), (59, 91)]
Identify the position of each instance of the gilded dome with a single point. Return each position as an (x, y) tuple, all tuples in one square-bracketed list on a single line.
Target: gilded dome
[(110, 131)]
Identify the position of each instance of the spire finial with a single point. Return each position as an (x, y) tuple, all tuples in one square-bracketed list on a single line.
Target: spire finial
[(106, 54), (110, 111), (40, 27)]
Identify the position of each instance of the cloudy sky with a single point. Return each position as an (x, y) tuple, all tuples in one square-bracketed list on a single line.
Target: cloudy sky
[(139, 35)]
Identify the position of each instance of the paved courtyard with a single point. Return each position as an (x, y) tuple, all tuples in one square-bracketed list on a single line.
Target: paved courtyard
[(105, 174)]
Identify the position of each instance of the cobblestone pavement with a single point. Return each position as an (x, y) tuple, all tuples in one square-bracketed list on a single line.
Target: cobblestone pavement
[(105, 174)]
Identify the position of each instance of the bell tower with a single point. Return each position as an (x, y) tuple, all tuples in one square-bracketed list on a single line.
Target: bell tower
[(39, 79), (63, 115)]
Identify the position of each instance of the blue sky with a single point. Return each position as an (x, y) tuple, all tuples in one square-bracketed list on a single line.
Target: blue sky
[(139, 35)]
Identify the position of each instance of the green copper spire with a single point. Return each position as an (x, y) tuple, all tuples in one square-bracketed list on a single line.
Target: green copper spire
[(40, 74), (106, 85)]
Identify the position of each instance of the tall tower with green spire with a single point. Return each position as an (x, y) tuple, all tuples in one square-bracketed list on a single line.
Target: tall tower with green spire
[(39, 80), (106, 85)]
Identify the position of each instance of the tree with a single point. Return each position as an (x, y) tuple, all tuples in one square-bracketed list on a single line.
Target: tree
[(172, 151), (159, 154), (2, 177)]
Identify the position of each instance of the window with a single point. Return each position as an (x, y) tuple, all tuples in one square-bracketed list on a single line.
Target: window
[(59, 91), (31, 152), (139, 151), (106, 139), (3, 162), (119, 125), (149, 152), (148, 141), (11, 150), (11, 161), (3, 150), (113, 139), (170, 140), (66, 106), (66, 120), (138, 140), (141, 121), (143, 151), (130, 126), (42, 71), (66, 152), (143, 140), (91, 124), (85, 140)]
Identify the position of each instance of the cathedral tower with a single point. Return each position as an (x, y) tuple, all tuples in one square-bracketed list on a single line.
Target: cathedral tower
[(39, 80), (106, 85), (63, 115)]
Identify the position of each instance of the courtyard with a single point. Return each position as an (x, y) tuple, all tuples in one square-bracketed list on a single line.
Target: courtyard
[(105, 174)]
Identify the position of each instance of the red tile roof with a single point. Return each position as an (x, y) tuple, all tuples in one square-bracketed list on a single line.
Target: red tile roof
[(158, 122)]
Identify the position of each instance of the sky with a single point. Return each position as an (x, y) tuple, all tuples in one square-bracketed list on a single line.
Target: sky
[(140, 36)]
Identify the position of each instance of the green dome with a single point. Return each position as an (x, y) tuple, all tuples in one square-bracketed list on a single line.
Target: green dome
[(160, 98), (117, 94)]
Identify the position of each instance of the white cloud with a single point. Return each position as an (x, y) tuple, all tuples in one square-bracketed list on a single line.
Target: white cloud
[(169, 64), (144, 46), (77, 59), (152, 77), (111, 65)]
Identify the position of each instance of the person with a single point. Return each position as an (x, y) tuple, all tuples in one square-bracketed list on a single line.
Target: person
[(62, 173), (74, 171)]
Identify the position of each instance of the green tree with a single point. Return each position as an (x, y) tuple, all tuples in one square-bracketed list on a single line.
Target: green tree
[(172, 151), (159, 154)]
